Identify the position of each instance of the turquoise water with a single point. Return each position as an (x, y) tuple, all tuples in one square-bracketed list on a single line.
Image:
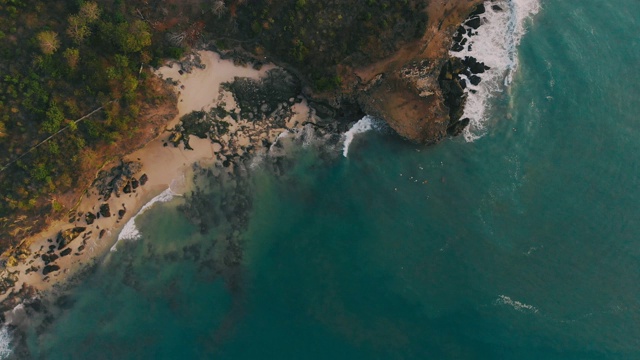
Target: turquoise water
[(524, 244)]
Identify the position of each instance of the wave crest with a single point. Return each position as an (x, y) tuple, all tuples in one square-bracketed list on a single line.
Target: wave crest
[(130, 231), (363, 125)]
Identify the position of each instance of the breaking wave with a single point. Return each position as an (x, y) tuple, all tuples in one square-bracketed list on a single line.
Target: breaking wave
[(495, 43), (363, 125), (130, 231), (5, 343)]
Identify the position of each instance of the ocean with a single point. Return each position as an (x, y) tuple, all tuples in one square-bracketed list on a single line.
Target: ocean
[(518, 240)]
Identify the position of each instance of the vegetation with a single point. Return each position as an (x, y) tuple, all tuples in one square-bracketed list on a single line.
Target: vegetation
[(319, 36), (61, 60)]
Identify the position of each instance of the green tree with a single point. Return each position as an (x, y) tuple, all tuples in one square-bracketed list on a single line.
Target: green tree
[(72, 56), (133, 37), (129, 86), (48, 41), (54, 118), (78, 29), (89, 12)]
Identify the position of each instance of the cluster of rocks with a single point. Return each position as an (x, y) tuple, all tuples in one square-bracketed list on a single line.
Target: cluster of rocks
[(258, 111), (65, 237), (119, 179), (8, 280), (60, 247), (186, 65), (104, 210), (201, 124), (456, 72), (266, 98), (190, 62), (468, 28)]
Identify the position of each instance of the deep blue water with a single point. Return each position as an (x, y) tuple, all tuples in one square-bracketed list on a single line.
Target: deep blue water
[(523, 244)]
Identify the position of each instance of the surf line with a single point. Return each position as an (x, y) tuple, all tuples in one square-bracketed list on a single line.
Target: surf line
[(363, 125), (491, 36), (130, 231)]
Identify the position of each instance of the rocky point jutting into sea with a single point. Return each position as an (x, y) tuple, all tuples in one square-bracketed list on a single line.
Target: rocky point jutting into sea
[(233, 105)]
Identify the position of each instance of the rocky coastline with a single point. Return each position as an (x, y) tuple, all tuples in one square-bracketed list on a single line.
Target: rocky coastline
[(419, 92), (245, 115)]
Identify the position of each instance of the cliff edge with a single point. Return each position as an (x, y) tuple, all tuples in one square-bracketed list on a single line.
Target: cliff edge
[(407, 91)]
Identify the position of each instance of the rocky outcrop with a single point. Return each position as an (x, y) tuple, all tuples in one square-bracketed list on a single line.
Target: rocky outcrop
[(412, 90), (105, 211), (89, 218), (67, 236), (116, 179), (8, 280), (49, 269)]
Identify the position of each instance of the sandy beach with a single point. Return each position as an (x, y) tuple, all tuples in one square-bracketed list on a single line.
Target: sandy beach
[(163, 167)]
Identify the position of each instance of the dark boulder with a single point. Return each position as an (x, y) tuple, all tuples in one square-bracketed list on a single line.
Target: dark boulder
[(127, 188), (134, 183), (89, 218), (143, 179), (480, 9), (496, 8), (65, 252), (49, 269), (474, 65), (47, 259), (474, 22), (104, 210), (475, 79), (457, 47), (459, 34)]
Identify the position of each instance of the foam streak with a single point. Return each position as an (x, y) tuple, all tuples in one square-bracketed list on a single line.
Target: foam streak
[(515, 304)]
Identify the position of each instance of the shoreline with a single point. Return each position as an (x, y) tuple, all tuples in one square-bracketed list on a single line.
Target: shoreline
[(229, 123), (161, 165)]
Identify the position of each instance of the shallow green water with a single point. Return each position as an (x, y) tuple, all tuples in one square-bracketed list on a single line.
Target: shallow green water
[(523, 244)]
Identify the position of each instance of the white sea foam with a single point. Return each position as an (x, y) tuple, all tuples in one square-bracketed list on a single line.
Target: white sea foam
[(130, 231), (496, 45), (517, 305), (363, 125), (283, 135), (5, 343)]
